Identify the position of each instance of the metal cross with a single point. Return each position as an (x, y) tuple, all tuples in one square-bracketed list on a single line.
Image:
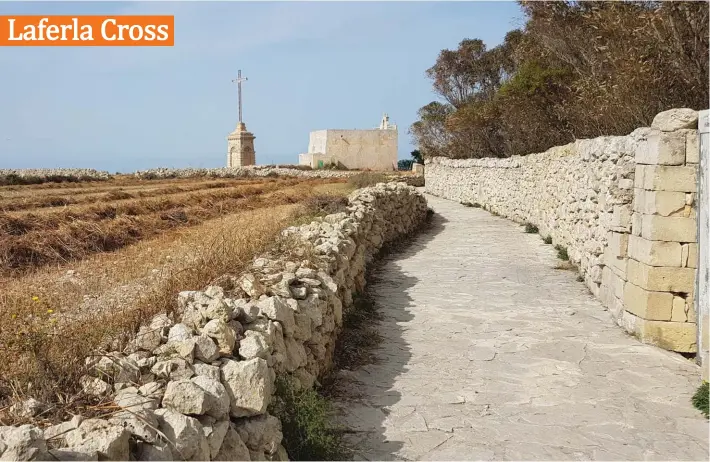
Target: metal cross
[(239, 81)]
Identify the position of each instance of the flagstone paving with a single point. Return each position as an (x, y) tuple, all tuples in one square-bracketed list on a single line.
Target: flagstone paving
[(489, 353)]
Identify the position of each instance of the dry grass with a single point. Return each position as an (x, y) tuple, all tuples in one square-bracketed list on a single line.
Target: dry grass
[(31, 240), (365, 179), (51, 320), (26, 199)]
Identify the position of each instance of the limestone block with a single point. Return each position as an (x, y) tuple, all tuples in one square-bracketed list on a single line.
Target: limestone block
[(620, 272), (621, 218), (666, 177), (655, 253), (222, 334), (185, 397), (618, 244), (184, 434), (613, 282), (692, 147), (664, 203), (673, 336), (261, 433), (111, 441), (619, 263), (680, 310), (675, 119), (173, 369), (616, 307), (677, 229), (233, 448), (626, 183), (205, 349), (249, 386), (662, 148), (595, 277), (661, 278), (218, 401), (179, 333), (639, 174), (689, 255), (254, 345), (24, 443), (636, 223), (647, 304), (276, 309)]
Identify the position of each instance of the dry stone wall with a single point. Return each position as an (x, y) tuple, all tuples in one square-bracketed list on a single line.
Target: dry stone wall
[(622, 206), (242, 172), (45, 173), (574, 193), (197, 385)]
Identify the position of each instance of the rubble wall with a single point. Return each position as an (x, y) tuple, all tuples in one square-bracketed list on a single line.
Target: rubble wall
[(624, 207), (197, 384)]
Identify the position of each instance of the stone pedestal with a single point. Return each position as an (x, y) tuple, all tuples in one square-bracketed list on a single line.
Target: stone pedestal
[(240, 147)]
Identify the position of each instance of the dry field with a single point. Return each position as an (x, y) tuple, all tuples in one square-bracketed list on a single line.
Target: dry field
[(83, 264)]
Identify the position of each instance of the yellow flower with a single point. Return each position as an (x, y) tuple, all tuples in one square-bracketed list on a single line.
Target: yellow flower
[(14, 316), (35, 298), (50, 311)]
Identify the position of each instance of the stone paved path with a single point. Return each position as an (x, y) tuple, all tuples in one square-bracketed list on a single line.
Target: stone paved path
[(490, 353)]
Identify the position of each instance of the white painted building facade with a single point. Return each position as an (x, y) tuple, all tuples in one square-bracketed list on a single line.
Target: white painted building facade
[(374, 149)]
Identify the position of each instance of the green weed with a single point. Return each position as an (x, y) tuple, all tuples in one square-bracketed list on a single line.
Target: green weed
[(700, 399), (305, 421), (562, 252)]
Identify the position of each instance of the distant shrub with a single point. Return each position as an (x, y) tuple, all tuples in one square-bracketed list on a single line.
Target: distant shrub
[(404, 164), (531, 228), (13, 179), (547, 240), (16, 180)]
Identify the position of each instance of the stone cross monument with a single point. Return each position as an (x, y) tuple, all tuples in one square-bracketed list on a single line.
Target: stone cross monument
[(240, 143)]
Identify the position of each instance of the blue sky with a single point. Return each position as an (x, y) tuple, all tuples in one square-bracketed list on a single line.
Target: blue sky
[(311, 66)]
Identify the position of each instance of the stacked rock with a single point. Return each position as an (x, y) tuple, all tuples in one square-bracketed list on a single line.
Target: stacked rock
[(197, 385)]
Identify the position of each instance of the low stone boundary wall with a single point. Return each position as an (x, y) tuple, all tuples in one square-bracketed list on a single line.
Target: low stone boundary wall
[(45, 173), (242, 172), (268, 171), (197, 385), (622, 206)]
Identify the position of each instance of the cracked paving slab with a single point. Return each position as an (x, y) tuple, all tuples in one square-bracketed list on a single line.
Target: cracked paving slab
[(489, 353)]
